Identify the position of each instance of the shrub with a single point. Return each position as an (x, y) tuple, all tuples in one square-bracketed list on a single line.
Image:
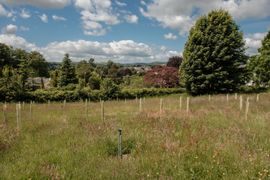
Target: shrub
[(112, 146), (162, 77)]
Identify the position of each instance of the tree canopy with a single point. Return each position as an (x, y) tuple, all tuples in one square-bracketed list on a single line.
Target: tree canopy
[(214, 55), (259, 65)]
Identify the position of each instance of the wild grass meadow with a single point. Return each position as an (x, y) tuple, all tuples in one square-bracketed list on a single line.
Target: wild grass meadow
[(214, 139)]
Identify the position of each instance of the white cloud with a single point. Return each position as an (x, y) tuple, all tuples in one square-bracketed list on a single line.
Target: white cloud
[(122, 4), (58, 18), (38, 3), (44, 18), (254, 42), (143, 3), (133, 19), (124, 51), (25, 14), (4, 12), (10, 29), (181, 14), (97, 11), (170, 36), (17, 42), (23, 28), (93, 28)]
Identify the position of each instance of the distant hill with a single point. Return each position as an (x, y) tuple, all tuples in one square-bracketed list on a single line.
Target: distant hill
[(54, 65)]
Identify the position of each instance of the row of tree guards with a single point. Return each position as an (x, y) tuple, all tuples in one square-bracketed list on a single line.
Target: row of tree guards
[(120, 155), (20, 106)]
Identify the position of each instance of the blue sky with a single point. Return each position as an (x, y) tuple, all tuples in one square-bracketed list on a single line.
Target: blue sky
[(120, 30)]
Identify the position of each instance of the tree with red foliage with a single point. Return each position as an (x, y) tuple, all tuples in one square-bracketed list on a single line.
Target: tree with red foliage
[(160, 76)]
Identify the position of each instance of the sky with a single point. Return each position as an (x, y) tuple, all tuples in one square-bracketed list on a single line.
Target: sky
[(125, 31)]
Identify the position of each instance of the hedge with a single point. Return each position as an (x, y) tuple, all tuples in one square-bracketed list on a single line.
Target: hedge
[(93, 95)]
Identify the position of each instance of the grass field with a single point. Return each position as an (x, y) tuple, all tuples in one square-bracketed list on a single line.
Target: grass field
[(214, 140)]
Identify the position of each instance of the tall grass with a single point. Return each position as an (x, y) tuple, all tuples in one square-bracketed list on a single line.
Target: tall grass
[(213, 140)]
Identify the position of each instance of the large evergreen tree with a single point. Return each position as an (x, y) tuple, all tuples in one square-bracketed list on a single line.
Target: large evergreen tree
[(260, 64), (67, 72), (214, 59)]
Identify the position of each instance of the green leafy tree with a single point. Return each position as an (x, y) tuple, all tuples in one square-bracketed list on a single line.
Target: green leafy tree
[(38, 64), (110, 88), (67, 72), (214, 55), (175, 61), (94, 81), (84, 70), (7, 56), (259, 65), (54, 78)]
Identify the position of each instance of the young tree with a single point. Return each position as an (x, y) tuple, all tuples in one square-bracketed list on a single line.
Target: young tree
[(67, 72), (214, 55), (260, 65), (175, 61)]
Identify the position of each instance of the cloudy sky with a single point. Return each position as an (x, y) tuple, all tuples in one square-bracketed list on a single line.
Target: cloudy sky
[(121, 30)]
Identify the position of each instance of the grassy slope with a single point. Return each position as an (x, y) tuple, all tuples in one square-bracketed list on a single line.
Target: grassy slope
[(213, 141)]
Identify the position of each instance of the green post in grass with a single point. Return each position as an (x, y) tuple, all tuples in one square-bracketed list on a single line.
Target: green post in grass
[(120, 144)]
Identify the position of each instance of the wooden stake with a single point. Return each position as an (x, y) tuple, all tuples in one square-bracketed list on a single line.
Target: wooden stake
[(4, 113), (180, 102), (209, 97), (227, 98), (17, 116), (102, 112), (235, 96), (258, 97), (140, 105), (160, 107), (247, 108), (86, 108), (187, 104), (30, 110), (241, 102)]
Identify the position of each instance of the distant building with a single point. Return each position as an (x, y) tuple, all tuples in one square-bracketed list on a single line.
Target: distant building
[(38, 83)]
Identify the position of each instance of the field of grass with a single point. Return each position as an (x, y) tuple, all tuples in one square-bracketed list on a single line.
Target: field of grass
[(214, 140)]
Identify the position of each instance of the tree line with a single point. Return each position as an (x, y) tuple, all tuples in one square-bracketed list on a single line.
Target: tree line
[(214, 61)]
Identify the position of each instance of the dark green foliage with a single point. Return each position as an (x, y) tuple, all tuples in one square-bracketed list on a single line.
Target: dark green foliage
[(214, 59), (110, 89), (175, 61), (94, 81), (54, 78), (127, 146), (259, 65), (41, 95), (7, 56), (67, 72), (38, 65), (83, 71)]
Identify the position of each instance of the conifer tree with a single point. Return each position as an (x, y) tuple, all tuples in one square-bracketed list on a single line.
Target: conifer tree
[(214, 55), (67, 72)]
